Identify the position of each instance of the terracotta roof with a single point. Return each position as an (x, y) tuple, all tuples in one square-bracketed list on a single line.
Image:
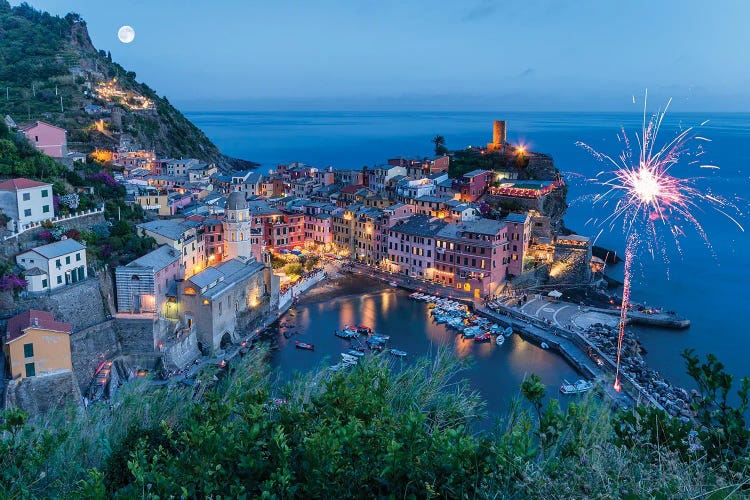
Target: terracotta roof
[(45, 320), (352, 188), (21, 183)]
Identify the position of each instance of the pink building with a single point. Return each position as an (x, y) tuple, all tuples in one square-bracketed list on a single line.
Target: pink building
[(473, 185), (472, 256), (411, 246), (47, 138), (519, 239)]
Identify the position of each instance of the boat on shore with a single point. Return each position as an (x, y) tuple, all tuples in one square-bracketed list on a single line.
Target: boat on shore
[(578, 387), (304, 345)]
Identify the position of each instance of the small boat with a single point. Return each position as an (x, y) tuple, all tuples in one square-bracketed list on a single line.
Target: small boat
[(348, 358), (544, 345), (364, 329), (346, 334), (399, 353), (483, 337), (508, 332), (393, 284), (304, 345), (378, 336), (500, 340), (355, 353), (580, 386)]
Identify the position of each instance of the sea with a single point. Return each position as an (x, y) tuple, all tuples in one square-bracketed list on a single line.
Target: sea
[(706, 279)]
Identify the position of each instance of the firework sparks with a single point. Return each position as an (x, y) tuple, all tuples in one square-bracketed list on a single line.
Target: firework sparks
[(645, 197)]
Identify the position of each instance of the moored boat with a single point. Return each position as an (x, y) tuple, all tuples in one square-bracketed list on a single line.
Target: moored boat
[(580, 386), (353, 352), (399, 353), (499, 340), (304, 345), (483, 337)]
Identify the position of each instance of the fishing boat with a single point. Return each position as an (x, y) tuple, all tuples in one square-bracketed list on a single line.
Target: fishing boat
[(356, 353), (544, 345), (508, 332), (364, 329), (304, 345), (346, 333), (483, 337), (580, 386), (499, 340), (393, 284), (399, 353), (382, 337)]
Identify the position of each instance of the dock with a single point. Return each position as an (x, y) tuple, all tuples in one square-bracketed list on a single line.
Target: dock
[(660, 319)]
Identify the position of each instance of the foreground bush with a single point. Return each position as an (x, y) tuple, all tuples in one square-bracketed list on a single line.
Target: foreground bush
[(374, 431)]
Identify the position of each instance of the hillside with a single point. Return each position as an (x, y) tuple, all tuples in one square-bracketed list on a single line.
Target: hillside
[(50, 70)]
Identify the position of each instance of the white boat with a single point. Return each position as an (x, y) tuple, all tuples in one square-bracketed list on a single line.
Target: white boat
[(355, 353), (348, 358), (393, 284), (578, 387), (398, 353), (544, 345), (500, 340)]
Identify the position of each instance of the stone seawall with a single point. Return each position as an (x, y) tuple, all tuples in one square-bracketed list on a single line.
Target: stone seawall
[(178, 354)]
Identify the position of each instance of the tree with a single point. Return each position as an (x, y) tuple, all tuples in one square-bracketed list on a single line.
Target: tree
[(439, 142)]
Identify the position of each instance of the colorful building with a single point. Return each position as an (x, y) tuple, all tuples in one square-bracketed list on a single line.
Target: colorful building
[(35, 344), (25, 202), (52, 266), (47, 138), (144, 284)]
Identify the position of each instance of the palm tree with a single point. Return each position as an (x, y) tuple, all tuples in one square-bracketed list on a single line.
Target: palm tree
[(439, 142)]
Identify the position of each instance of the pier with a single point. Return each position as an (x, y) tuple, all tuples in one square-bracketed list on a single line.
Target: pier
[(660, 319)]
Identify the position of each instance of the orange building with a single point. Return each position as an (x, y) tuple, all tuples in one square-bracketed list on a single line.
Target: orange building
[(36, 344)]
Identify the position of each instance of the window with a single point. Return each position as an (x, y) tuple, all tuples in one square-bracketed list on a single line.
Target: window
[(27, 212), (26, 196), (67, 259), (45, 193), (44, 283), (78, 257), (45, 209), (28, 350), (59, 280), (30, 371)]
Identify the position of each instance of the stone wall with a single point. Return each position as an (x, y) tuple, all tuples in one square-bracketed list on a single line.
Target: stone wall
[(38, 395), (81, 304), (178, 354), (89, 348), (29, 239), (136, 335)]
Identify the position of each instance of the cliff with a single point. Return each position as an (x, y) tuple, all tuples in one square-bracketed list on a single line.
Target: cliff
[(51, 71)]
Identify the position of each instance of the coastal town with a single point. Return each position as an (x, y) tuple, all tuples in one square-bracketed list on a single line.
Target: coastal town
[(233, 250)]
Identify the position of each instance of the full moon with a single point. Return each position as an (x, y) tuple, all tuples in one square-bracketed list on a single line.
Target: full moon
[(126, 34)]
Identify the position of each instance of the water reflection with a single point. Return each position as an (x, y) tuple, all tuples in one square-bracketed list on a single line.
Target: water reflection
[(496, 371)]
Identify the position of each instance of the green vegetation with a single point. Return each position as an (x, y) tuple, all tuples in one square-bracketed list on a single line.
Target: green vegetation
[(466, 160), (19, 159), (48, 71), (439, 142), (376, 431)]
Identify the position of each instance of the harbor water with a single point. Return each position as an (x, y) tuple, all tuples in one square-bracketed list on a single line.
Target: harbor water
[(706, 284)]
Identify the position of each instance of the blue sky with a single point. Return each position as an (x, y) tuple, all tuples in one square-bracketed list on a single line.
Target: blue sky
[(539, 55)]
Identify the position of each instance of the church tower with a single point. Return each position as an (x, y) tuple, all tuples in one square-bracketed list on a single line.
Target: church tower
[(237, 227)]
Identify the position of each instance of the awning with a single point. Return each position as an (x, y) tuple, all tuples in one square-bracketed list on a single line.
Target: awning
[(555, 294)]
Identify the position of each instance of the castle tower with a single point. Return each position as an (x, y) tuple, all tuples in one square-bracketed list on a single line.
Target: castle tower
[(498, 136), (237, 227)]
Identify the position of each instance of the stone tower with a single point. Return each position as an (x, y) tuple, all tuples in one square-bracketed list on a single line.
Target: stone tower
[(498, 136), (237, 227)]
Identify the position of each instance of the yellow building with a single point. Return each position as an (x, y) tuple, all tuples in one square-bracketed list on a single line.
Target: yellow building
[(36, 344)]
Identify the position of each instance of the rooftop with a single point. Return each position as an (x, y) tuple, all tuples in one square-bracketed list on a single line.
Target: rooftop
[(173, 229), (216, 280), (59, 248), (420, 225), (18, 324), (21, 183), (518, 218), (474, 173), (488, 227), (157, 259)]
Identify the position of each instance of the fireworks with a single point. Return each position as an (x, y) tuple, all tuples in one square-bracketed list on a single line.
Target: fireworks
[(647, 198)]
